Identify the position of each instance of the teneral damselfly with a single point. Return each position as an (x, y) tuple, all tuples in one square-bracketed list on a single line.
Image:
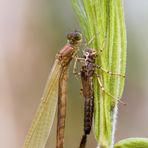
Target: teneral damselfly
[(88, 72), (54, 93)]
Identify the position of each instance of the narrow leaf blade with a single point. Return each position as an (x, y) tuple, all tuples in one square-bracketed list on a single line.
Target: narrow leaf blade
[(132, 143)]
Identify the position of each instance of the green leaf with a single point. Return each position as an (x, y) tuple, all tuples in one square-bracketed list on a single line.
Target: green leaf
[(104, 20), (132, 143)]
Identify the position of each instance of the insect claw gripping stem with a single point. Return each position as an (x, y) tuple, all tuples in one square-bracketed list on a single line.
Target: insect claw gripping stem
[(109, 72), (103, 90), (102, 87)]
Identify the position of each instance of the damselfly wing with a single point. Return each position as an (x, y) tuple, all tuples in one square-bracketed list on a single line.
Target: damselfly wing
[(44, 117)]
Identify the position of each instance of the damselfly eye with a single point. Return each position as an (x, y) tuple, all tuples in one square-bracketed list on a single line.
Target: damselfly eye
[(77, 36), (74, 37)]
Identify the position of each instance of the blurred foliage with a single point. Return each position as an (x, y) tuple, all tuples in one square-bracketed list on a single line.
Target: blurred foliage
[(132, 143)]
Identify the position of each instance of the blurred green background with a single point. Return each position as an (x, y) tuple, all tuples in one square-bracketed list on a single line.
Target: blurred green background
[(31, 33)]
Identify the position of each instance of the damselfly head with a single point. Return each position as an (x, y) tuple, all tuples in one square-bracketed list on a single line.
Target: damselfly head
[(74, 37), (89, 52)]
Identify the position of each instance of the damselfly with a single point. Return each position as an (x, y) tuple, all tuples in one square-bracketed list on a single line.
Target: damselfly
[(88, 72), (54, 91)]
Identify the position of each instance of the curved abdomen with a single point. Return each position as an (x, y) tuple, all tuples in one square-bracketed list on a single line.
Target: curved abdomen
[(88, 114)]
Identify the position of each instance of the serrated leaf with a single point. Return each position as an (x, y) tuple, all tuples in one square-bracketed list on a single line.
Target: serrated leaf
[(132, 143)]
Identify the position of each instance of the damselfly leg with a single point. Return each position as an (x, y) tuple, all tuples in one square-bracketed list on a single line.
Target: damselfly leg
[(106, 92), (109, 72)]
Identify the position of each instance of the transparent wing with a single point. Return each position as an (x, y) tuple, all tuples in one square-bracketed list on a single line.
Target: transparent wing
[(38, 134)]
